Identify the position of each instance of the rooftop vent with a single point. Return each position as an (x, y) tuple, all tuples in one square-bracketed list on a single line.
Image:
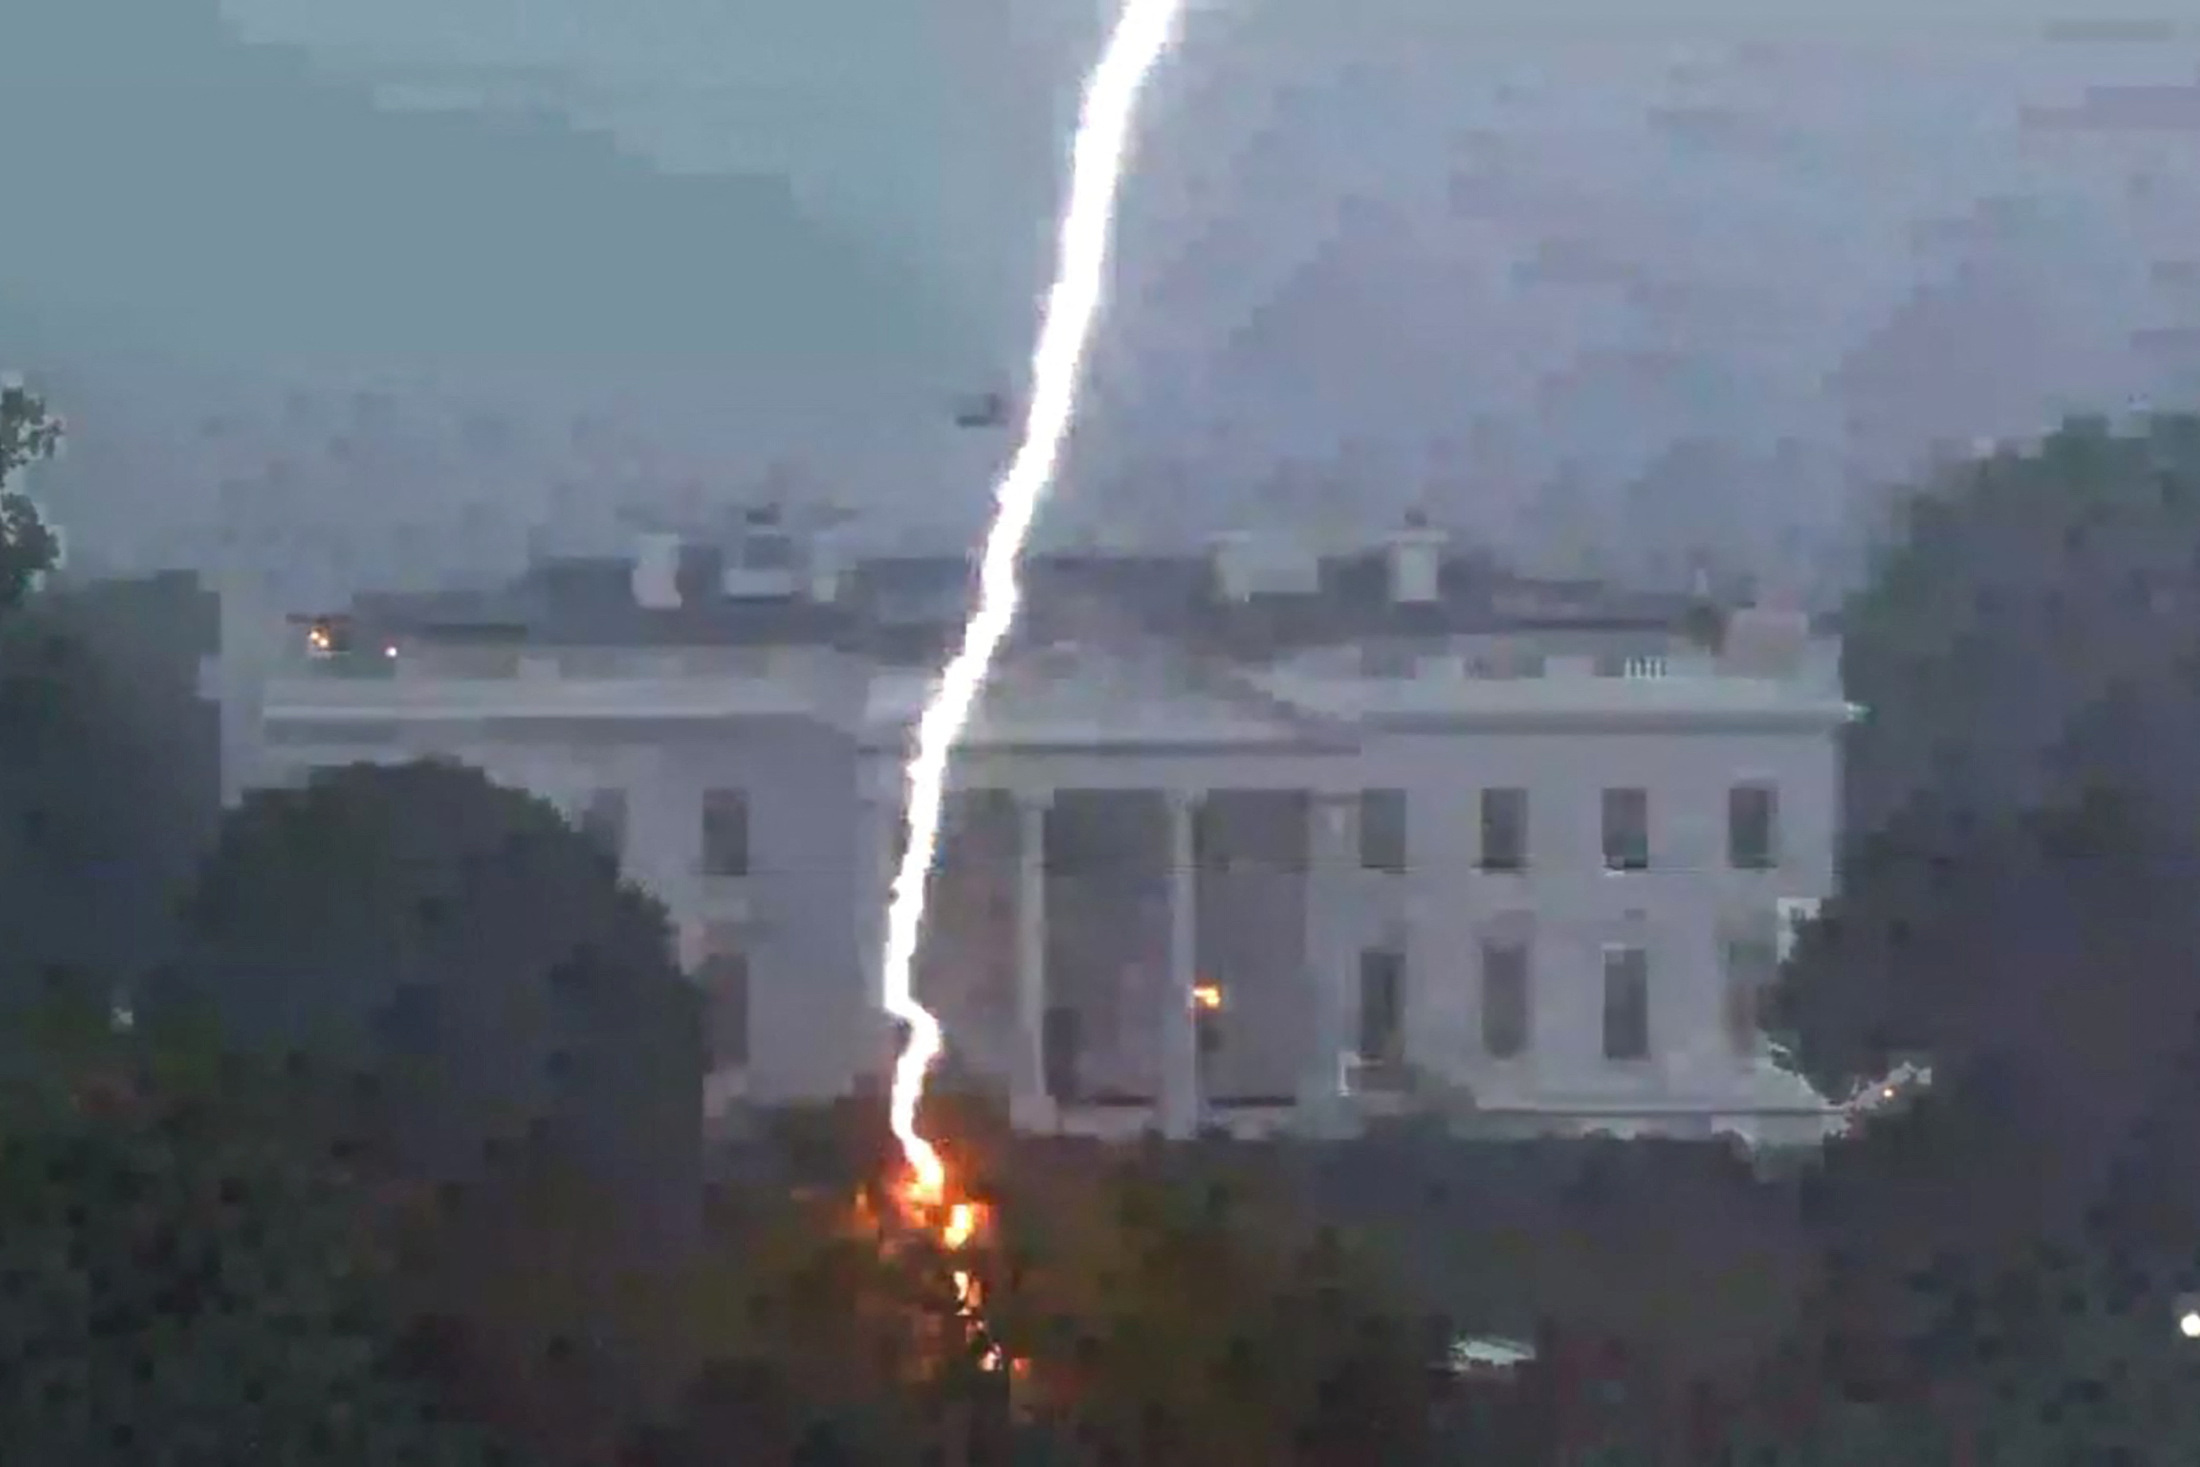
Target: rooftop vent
[(1416, 555), (656, 575)]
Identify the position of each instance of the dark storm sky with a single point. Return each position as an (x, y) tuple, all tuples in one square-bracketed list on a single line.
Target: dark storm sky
[(1571, 281)]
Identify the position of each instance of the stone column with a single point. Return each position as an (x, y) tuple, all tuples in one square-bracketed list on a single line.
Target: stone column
[(1181, 1102), (1332, 953), (1031, 1099)]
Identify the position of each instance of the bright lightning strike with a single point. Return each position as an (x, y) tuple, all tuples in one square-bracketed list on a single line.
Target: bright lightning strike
[(1098, 155)]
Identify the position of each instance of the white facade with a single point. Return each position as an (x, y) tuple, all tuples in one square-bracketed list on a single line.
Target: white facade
[(1149, 844)]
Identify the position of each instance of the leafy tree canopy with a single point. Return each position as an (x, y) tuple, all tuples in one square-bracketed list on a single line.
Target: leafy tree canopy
[(28, 545), (473, 956), (109, 777), (177, 1283)]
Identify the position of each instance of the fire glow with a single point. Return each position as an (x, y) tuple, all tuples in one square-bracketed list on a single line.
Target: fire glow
[(1098, 156)]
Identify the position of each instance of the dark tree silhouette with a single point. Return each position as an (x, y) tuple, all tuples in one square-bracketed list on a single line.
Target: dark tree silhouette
[(477, 960)]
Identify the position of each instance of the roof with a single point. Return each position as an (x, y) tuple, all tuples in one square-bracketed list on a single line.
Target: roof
[(910, 608), (589, 602)]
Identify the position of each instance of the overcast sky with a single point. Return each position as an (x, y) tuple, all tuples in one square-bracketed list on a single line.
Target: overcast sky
[(1566, 279)]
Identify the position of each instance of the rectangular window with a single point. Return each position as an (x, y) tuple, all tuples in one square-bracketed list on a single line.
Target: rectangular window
[(603, 820), (725, 833), (1504, 830), (1506, 1016), (1383, 830), (1626, 1003), (1753, 827), (1626, 830), (1751, 966), (723, 977), (1061, 1042), (1382, 1006)]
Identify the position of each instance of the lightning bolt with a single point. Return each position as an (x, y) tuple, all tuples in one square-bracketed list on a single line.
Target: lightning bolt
[(1099, 154)]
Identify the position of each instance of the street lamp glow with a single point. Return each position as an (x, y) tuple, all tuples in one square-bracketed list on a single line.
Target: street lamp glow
[(2188, 1324)]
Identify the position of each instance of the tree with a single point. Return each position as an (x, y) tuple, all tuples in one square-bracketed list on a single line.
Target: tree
[(524, 1056), (178, 1282), (2016, 900), (473, 954), (2016, 904), (109, 777), (1184, 1312), (28, 545), (2020, 588)]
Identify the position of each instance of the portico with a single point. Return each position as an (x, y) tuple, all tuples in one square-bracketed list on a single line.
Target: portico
[(1109, 953)]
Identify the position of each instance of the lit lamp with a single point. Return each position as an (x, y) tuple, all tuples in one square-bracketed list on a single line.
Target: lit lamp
[(2188, 1316)]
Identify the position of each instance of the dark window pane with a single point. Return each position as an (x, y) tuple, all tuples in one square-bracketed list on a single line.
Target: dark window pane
[(1506, 1015), (1504, 829), (725, 833), (724, 979), (603, 820), (1382, 1006), (1751, 966), (1383, 830), (1061, 1041), (1626, 1003), (1626, 830), (1752, 827)]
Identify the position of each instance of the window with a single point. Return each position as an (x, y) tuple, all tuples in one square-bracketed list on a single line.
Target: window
[(1061, 1042), (724, 979), (1751, 966), (725, 833), (1383, 830), (1626, 830), (603, 820), (1505, 1012), (1382, 1006), (1626, 1003), (1504, 830), (1753, 827)]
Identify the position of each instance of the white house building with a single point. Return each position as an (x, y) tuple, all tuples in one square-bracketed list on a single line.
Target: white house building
[(1248, 837)]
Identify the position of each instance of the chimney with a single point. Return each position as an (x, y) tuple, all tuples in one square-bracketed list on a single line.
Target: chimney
[(656, 575), (1416, 555)]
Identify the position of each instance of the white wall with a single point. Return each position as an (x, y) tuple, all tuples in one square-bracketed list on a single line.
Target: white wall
[(1574, 907)]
